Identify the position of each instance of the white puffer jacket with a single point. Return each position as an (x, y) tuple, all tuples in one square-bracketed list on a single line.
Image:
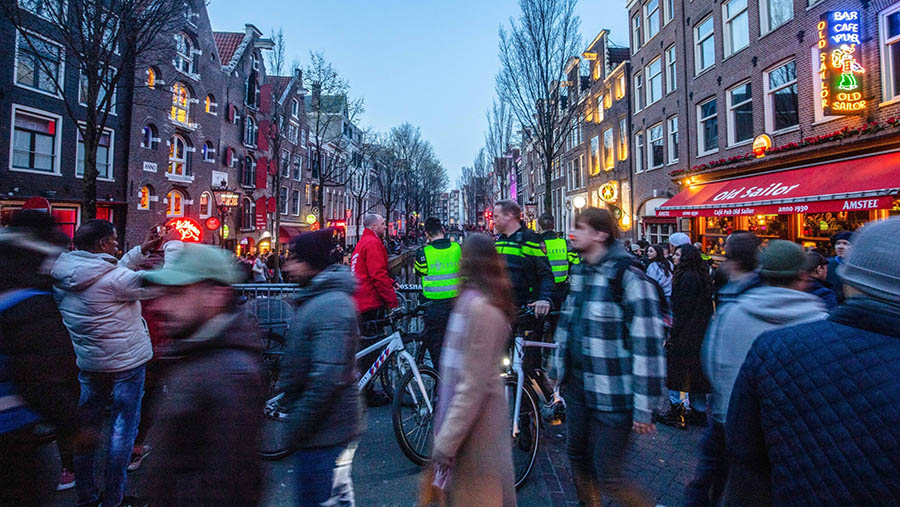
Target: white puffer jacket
[(99, 299)]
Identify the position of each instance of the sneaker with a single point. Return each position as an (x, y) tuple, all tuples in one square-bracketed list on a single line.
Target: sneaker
[(696, 418), (66, 480), (138, 457), (554, 413), (674, 417)]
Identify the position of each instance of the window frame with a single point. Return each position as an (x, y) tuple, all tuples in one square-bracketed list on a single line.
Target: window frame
[(170, 200), (283, 205), (731, 108), (650, 77), (102, 95), (668, 11), (701, 137), (210, 106), (250, 133), (728, 28), (698, 45), (140, 198), (208, 152), (647, 15), (184, 57), (661, 139), (608, 163), (638, 88), (295, 202), (178, 107), (671, 69), (61, 72), (209, 205), (639, 152), (769, 96), (636, 39), (248, 171), (765, 27), (672, 147), (110, 155), (57, 138), (622, 145), (173, 156), (887, 64), (295, 108), (154, 137)]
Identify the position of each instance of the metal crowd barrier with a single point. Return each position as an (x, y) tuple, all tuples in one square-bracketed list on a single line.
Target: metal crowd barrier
[(269, 304)]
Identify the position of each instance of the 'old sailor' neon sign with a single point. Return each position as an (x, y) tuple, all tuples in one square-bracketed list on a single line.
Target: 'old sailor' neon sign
[(839, 63)]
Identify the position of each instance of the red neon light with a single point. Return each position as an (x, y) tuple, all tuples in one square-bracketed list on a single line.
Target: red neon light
[(188, 229)]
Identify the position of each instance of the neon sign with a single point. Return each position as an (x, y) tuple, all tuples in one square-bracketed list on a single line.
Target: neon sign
[(609, 191), (187, 228), (839, 68)]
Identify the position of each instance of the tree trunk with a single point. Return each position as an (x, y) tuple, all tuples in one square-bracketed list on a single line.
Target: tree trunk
[(89, 180), (548, 175)]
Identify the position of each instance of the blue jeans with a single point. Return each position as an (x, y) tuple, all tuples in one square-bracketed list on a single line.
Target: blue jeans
[(596, 444), (126, 389), (323, 475), (696, 401), (712, 469)]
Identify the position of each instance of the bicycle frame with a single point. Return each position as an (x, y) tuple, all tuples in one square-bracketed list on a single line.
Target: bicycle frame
[(518, 357), (394, 344)]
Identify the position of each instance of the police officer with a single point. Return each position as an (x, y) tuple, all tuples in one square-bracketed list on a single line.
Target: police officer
[(438, 264), (559, 257)]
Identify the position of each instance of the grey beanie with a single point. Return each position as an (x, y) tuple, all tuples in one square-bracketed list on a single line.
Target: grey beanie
[(678, 239), (872, 266)]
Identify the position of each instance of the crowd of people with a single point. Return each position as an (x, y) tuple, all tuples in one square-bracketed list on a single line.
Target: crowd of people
[(787, 359)]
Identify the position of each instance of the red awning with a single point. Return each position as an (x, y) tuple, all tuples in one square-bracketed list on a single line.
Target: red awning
[(286, 233), (848, 185)]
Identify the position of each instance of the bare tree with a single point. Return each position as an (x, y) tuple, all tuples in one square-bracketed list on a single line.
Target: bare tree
[(330, 110), (363, 177), (105, 40), (497, 141), (534, 53), (474, 183), (387, 166)]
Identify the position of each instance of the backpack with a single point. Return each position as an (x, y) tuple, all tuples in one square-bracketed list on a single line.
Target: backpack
[(618, 290)]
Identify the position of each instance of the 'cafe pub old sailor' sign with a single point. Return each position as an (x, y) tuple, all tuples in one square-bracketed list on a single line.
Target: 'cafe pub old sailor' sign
[(840, 67)]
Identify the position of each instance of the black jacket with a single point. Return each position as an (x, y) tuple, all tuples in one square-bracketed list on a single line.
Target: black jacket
[(209, 418), (526, 262), (691, 310)]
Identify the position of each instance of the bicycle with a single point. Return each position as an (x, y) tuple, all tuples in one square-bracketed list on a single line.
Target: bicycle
[(413, 410), (524, 404)]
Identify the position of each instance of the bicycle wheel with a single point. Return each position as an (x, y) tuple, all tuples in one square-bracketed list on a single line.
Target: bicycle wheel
[(390, 376), (413, 422), (525, 443), (274, 440)]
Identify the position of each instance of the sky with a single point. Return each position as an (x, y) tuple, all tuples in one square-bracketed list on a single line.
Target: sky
[(427, 62)]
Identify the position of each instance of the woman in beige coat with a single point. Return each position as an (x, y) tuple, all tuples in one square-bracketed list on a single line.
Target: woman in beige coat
[(473, 440)]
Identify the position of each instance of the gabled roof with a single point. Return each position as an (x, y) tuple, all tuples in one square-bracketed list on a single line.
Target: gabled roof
[(279, 84), (618, 55), (227, 43)]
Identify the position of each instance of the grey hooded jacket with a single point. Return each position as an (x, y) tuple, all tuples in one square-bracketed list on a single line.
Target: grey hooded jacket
[(319, 373), (732, 332)]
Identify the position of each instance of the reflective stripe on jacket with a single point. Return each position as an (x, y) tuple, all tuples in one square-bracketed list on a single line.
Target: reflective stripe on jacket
[(438, 263)]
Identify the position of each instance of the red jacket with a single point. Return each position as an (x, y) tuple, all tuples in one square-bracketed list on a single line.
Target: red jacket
[(370, 265)]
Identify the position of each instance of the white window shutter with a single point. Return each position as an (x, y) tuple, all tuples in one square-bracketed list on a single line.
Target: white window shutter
[(156, 140)]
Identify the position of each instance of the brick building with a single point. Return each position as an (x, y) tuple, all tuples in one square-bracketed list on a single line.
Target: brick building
[(754, 68), (44, 158)]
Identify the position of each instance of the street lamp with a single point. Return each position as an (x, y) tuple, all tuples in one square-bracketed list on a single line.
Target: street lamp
[(225, 200), (579, 202)]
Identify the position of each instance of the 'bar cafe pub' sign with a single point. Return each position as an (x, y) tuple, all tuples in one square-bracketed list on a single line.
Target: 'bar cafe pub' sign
[(839, 63)]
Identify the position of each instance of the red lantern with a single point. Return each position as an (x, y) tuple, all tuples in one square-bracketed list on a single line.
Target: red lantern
[(212, 223), (188, 229)]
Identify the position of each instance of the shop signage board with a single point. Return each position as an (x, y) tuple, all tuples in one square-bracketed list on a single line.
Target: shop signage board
[(861, 204), (188, 229), (840, 67), (609, 192)]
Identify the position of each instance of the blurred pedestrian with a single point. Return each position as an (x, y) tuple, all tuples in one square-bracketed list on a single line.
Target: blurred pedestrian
[(816, 270), (99, 299), (780, 301), (660, 269), (611, 370), (841, 242), (319, 373), (741, 254), (375, 289), (472, 439), (813, 413), (209, 417), (38, 375), (692, 306), (259, 269), (437, 263)]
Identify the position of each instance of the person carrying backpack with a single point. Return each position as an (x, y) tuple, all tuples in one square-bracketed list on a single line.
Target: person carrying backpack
[(609, 361)]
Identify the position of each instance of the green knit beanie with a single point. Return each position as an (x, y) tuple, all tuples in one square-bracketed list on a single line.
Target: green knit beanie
[(781, 259)]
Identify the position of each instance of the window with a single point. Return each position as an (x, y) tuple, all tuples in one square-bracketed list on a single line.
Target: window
[(651, 17), (295, 108), (35, 142), (737, 26), (655, 148), (47, 9), (105, 87), (250, 131), (600, 110), (151, 78), (252, 87), (303, 138), (620, 88), (283, 200), (295, 202), (248, 174), (595, 155), (635, 32), (149, 137), (144, 198), (654, 81), (174, 204), (673, 139), (890, 52), (39, 63), (231, 158), (248, 214), (292, 132), (181, 104), (708, 123), (623, 139), (704, 45), (607, 98), (638, 152), (285, 164), (307, 194), (671, 70), (774, 13), (298, 164), (209, 153), (740, 114), (638, 92), (205, 205), (178, 149), (184, 53), (669, 11), (209, 105), (609, 157), (105, 155), (781, 97)]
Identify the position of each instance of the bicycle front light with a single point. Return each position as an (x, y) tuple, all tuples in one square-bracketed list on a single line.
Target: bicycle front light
[(506, 361)]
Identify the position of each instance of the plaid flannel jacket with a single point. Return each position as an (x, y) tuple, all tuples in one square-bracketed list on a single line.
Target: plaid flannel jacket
[(617, 376)]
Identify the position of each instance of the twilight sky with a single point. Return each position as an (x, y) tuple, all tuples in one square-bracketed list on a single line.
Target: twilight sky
[(431, 63)]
